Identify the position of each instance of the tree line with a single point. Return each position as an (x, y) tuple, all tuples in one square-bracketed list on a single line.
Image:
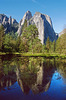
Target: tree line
[(29, 42)]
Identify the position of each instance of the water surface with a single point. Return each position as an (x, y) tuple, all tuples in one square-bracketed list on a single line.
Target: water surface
[(32, 78)]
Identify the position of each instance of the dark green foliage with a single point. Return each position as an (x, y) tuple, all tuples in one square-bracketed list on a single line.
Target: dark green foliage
[(31, 35), (9, 44), (1, 37), (29, 42), (24, 26), (61, 44), (36, 46), (54, 46), (31, 32), (48, 44), (7, 47), (18, 42), (13, 35), (24, 47)]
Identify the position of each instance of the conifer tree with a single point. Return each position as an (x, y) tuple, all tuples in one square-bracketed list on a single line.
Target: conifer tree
[(54, 46), (1, 36), (48, 44), (24, 26)]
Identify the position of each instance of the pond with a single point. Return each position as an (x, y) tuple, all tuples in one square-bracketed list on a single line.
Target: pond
[(32, 78)]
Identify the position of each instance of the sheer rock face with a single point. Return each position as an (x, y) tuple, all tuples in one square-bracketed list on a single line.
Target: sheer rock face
[(4, 19), (27, 17), (7, 22), (10, 20), (43, 23), (14, 21)]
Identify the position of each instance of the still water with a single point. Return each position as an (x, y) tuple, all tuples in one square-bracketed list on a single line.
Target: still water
[(32, 78)]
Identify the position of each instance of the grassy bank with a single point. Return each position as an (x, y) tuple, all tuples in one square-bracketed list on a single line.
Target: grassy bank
[(50, 55), (44, 55)]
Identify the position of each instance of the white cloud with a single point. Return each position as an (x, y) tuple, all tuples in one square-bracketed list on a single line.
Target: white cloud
[(34, 1), (37, 3)]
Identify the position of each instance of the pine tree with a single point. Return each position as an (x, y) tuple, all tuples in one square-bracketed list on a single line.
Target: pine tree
[(61, 44), (54, 46), (48, 44), (18, 42), (30, 33), (24, 26), (1, 36)]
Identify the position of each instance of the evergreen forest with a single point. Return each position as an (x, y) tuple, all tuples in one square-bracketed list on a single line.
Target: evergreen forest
[(29, 42)]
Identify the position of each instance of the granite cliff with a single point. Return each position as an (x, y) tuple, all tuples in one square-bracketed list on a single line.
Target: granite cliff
[(27, 17), (9, 24), (43, 23)]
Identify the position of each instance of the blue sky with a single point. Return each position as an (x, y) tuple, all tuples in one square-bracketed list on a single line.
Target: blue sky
[(56, 9)]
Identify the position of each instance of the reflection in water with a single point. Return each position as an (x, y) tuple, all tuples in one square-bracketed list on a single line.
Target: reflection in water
[(7, 74), (32, 73)]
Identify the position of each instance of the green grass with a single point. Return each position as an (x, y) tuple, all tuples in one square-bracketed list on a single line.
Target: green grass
[(44, 55), (49, 55)]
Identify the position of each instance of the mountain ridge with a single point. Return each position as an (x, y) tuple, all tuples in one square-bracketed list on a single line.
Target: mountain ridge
[(9, 23), (43, 23)]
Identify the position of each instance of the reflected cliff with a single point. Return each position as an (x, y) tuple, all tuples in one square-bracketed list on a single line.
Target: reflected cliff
[(32, 73)]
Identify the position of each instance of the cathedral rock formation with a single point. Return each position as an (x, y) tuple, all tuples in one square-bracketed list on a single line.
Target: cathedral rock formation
[(27, 17), (43, 23)]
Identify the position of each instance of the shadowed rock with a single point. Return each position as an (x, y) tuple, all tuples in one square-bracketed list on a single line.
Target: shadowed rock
[(9, 24), (43, 23)]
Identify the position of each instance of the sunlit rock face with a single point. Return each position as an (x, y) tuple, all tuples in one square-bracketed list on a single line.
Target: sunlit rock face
[(43, 23), (4, 20), (8, 23), (27, 17)]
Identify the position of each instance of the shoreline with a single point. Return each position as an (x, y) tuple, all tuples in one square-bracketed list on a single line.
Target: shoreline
[(50, 55)]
